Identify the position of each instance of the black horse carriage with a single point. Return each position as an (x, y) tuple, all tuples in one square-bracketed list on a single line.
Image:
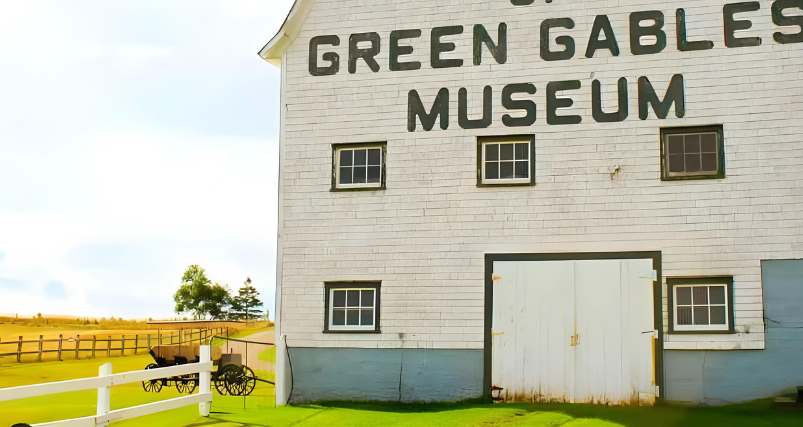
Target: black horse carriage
[(231, 378)]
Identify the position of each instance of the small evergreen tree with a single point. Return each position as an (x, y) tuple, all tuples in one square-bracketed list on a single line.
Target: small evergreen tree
[(246, 304)]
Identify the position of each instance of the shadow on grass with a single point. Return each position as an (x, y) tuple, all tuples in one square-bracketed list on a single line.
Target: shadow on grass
[(757, 413)]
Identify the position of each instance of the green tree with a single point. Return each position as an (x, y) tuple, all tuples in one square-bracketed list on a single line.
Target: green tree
[(245, 305), (218, 300), (194, 292)]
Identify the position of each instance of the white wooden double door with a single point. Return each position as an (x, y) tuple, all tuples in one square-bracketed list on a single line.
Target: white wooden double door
[(574, 331)]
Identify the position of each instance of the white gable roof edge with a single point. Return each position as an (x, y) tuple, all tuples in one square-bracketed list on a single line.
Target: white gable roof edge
[(272, 52)]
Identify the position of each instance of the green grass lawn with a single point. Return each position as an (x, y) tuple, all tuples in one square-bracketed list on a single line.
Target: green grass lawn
[(268, 355), (228, 411)]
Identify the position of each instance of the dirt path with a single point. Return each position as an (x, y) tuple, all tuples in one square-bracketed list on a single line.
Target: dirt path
[(253, 350)]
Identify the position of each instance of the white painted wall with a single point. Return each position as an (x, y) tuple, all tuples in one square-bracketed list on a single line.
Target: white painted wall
[(426, 235)]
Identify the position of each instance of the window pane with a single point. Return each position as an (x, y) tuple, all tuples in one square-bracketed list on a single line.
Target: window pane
[(339, 299), (717, 294), (675, 144), (374, 174), (354, 299), (692, 163), (692, 144), (709, 163), (345, 157), (522, 169), (718, 315), (492, 152), (700, 315), (367, 299), (683, 295), (367, 317), (339, 317), (374, 156), (506, 152), (700, 295), (353, 317), (505, 170), (345, 176), (708, 143), (359, 175), (522, 151), (359, 157), (684, 316), (676, 163), (491, 170)]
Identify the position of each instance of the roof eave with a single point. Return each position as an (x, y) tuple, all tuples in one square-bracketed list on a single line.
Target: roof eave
[(274, 50)]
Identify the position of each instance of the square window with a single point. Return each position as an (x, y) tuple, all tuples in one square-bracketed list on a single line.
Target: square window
[(700, 305), (692, 153), (352, 307), (358, 166), (505, 160)]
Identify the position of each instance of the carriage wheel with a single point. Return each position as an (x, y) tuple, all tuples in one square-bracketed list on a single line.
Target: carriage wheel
[(225, 375), (189, 385), (154, 386), (243, 383), (249, 381)]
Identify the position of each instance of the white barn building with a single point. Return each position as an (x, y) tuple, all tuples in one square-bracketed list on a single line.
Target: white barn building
[(575, 201)]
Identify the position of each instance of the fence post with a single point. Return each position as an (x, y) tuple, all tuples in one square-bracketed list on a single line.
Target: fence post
[(61, 337), (171, 337), (122, 345), (136, 343), (149, 342), (77, 345), (104, 393), (159, 336), (180, 333), (109, 347), (40, 347), (19, 350), (206, 380), (94, 344)]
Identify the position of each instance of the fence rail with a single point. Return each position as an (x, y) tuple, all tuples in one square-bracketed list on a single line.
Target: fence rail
[(107, 348), (106, 379)]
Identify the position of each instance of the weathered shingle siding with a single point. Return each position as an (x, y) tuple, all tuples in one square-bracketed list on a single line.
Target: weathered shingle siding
[(426, 235)]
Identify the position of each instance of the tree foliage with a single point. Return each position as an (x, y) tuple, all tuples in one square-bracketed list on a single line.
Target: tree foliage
[(217, 301), (246, 304), (198, 295)]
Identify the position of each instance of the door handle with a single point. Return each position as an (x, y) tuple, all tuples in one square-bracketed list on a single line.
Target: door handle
[(575, 340)]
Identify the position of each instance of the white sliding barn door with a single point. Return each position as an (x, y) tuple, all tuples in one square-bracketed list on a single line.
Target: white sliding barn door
[(532, 327), (574, 331)]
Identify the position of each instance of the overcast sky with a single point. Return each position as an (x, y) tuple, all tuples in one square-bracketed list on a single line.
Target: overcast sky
[(136, 138)]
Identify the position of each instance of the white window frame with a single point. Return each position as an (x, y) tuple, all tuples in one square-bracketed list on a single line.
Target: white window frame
[(331, 309), (507, 181), (700, 328), (340, 149)]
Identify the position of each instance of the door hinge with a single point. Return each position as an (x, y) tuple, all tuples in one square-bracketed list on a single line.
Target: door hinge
[(653, 276), (575, 340)]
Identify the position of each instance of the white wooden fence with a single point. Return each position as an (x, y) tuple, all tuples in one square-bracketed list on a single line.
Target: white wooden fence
[(106, 379)]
